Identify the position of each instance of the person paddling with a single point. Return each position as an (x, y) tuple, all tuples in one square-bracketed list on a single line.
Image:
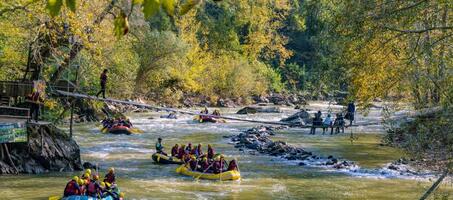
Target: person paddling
[(93, 187), (197, 151), (103, 79), (188, 149), (181, 151), (211, 152), (72, 187), (174, 150), (233, 165), (110, 176)]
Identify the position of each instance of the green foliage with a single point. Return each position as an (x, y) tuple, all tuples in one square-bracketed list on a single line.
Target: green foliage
[(150, 7), (187, 6), (71, 4), (121, 25), (169, 6), (54, 7)]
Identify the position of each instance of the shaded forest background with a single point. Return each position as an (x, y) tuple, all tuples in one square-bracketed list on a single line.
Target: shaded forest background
[(236, 49), (167, 51)]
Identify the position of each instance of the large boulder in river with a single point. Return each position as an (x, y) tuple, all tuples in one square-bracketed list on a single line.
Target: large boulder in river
[(299, 117), (262, 109), (48, 149)]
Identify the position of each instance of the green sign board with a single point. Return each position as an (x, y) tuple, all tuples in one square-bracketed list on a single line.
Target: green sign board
[(12, 132)]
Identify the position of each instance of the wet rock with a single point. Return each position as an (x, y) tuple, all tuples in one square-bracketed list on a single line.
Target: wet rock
[(302, 117), (88, 165), (393, 167), (253, 110), (257, 138), (302, 164), (226, 103)]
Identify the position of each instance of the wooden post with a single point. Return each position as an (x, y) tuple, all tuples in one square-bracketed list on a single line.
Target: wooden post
[(72, 102), (72, 116), (434, 186)]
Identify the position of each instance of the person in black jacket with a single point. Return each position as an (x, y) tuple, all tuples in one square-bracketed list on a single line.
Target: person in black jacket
[(351, 112)]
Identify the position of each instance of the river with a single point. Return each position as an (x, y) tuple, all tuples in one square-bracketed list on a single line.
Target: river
[(263, 177)]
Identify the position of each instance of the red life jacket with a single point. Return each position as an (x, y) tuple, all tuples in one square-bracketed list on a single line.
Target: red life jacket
[(92, 189), (174, 151), (232, 166), (210, 153), (72, 188)]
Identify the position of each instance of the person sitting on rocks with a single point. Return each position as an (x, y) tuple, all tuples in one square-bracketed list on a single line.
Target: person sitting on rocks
[(211, 152), (205, 111), (159, 147), (233, 165), (72, 187), (317, 122), (110, 176), (339, 123), (326, 123), (174, 150)]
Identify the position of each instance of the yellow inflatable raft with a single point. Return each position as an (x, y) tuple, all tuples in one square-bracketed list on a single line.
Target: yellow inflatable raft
[(163, 159), (228, 175)]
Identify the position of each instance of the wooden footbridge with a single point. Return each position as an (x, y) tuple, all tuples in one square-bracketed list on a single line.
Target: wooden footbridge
[(151, 107)]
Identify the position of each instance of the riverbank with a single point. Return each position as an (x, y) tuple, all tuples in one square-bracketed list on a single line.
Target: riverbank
[(48, 149)]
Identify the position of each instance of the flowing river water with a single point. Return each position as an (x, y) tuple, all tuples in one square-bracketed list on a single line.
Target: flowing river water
[(263, 177)]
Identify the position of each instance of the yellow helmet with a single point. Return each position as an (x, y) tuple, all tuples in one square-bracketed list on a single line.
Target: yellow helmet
[(86, 175), (80, 182), (122, 194), (205, 159), (193, 157), (88, 171), (103, 184), (75, 178), (217, 158), (111, 170)]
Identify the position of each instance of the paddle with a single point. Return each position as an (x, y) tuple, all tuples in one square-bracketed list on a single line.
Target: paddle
[(55, 197), (205, 171), (136, 130)]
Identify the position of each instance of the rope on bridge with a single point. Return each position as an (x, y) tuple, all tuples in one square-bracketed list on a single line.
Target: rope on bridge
[(147, 106)]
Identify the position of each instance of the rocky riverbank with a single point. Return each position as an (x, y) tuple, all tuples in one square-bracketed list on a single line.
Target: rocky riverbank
[(257, 139), (48, 149)]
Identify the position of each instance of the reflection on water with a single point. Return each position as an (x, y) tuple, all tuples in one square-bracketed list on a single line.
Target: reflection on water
[(264, 177)]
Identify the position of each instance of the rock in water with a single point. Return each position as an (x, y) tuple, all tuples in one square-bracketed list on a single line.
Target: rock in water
[(48, 149), (253, 110), (299, 117), (88, 165)]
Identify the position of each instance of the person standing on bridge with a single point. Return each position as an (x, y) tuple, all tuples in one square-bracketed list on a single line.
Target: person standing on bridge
[(103, 79)]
